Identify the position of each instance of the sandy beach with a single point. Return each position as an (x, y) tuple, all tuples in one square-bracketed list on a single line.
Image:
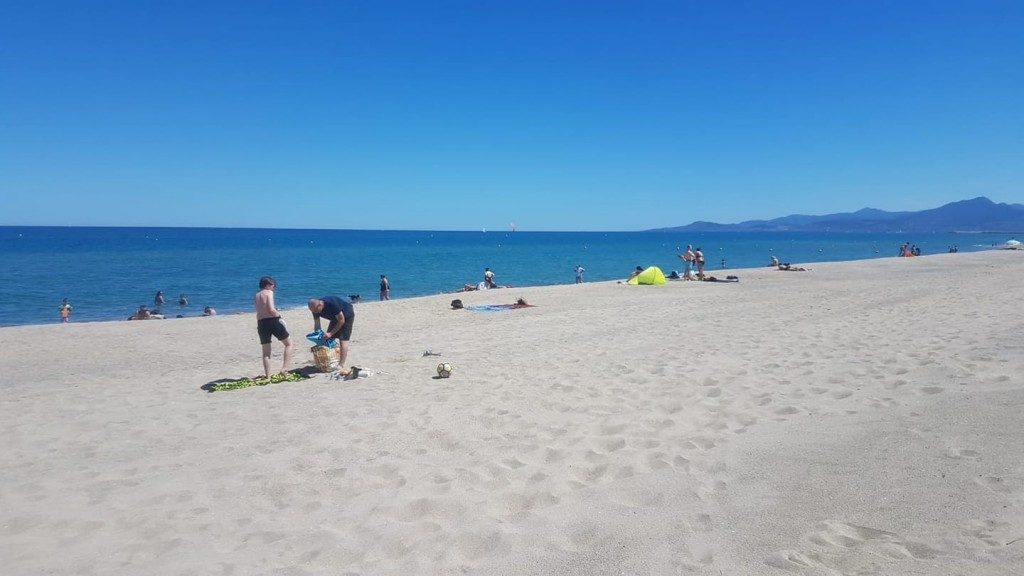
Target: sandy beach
[(859, 418)]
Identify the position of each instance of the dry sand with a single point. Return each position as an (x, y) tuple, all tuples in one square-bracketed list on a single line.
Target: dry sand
[(860, 418)]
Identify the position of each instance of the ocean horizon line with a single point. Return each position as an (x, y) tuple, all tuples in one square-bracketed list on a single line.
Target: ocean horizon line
[(650, 231)]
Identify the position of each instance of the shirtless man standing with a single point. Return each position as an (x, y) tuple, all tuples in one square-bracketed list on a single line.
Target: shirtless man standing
[(688, 258), (269, 323)]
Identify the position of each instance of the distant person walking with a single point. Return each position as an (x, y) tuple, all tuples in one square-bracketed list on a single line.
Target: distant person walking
[(340, 316), (269, 323), (489, 278), (579, 273), (385, 288), (65, 311), (698, 258)]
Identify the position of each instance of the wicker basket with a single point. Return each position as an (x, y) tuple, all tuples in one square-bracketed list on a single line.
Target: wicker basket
[(326, 359)]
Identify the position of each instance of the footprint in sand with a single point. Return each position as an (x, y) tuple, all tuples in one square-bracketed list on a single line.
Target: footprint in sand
[(929, 390), (613, 444), (681, 463), (992, 533), (994, 483), (844, 536), (958, 453), (894, 384)]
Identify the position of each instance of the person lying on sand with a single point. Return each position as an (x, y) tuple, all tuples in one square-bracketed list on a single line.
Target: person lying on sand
[(142, 313), (480, 286), (787, 267), (520, 303)]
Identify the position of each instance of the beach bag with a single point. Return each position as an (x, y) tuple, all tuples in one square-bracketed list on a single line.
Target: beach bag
[(457, 304), (326, 359)]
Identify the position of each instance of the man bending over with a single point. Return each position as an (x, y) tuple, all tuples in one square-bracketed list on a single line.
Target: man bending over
[(340, 315)]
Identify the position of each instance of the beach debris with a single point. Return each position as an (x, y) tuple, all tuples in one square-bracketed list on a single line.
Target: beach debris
[(351, 374)]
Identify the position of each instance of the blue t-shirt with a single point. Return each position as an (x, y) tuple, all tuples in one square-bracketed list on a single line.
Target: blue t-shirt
[(333, 305)]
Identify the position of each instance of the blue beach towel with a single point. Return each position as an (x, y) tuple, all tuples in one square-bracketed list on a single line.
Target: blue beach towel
[(317, 337), (497, 307), (489, 308)]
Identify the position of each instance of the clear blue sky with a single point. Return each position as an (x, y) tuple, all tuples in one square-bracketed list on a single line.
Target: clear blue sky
[(469, 115)]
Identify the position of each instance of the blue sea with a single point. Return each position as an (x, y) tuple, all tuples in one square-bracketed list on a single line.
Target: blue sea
[(107, 273)]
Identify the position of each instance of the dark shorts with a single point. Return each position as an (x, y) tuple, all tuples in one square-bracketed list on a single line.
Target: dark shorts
[(346, 330), (268, 327)]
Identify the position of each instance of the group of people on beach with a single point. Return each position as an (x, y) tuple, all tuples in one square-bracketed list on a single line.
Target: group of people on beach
[(908, 250), (693, 259), (338, 312), (144, 313), (487, 283)]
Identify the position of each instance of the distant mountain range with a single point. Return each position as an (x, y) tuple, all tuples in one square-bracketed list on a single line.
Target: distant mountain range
[(975, 215)]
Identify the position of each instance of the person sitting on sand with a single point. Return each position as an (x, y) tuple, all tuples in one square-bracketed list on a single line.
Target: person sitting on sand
[(636, 272), (787, 267), (775, 261), (480, 286), (209, 311), (142, 313), (674, 276)]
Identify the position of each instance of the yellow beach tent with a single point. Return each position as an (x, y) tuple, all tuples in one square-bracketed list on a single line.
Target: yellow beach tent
[(652, 275)]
